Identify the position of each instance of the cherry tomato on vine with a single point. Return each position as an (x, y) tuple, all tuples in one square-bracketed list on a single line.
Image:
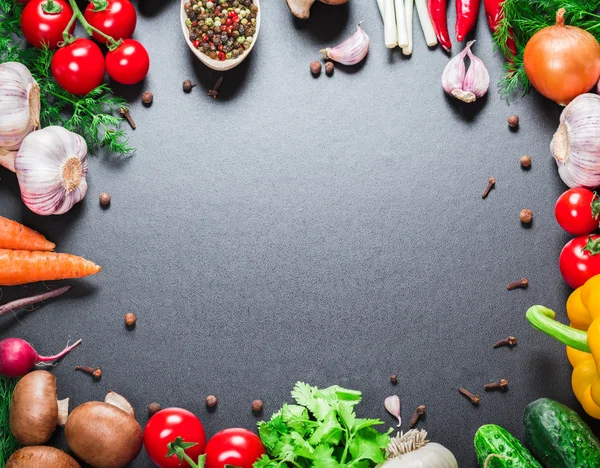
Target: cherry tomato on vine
[(43, 22), (166, 426), (117, 19), (234, 447), (580, 260), (78, 67), (577, 210), (129, 63)]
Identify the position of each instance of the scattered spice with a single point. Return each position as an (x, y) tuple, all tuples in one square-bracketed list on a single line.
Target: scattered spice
[(147, 98), (127, 116), (257, 406), (522, 283), (502, 384), (513, 121), (130, 320), (153, 408), (104, 199), (525, 162), (420, 411), (315, 67), (211, 401), (214, 92), (329, 67), (467, 394), (510, 341), (394, 379), (188, 86), (491, 184), (526, 216), (95, 372)]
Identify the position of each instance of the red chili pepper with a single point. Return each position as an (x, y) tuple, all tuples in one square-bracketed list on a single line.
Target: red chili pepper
[(466, 17), (494, 13), (437, 11)]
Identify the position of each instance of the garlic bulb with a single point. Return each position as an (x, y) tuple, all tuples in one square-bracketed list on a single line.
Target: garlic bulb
[(351, 51), (466, 86), (412, 450), (51, 167), (576, 143), (19, 105)]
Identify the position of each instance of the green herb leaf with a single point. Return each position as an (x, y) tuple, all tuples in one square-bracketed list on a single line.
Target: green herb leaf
[(265, 462), (8, 444), (369, 444), (328, 432)]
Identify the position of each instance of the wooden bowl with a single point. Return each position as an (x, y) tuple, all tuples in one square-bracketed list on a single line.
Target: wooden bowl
[(218, 64)]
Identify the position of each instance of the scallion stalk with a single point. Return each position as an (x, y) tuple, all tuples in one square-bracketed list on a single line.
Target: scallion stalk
[(389, 24)]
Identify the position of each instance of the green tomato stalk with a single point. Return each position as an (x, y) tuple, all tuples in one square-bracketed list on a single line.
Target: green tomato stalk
[(111, 43), (178, 448)]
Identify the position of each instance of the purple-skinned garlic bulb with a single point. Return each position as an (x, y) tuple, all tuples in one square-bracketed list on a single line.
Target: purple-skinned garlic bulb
[(466, 85), (350, 52)]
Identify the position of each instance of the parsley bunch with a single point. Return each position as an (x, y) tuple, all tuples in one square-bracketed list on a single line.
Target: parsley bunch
[(8, 444), (321, 431), (90, 116)]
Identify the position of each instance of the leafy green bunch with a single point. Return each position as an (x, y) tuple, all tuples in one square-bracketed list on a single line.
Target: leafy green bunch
[(91, 116), (523, 18), (321, 431), (8, 444)]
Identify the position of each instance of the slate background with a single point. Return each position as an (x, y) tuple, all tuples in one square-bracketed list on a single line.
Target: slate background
[(327, 230)]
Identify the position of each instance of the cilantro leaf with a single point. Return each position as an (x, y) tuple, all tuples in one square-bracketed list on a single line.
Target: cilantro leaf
[(368, 444), (346, 412), (361, 423), (303, 394), (329, 432), (265, 462)]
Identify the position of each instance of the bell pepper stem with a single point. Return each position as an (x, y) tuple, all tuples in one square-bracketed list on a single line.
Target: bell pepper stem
[(543, 319)]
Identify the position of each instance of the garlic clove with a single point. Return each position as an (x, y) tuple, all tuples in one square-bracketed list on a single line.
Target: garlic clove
[(470, 85), (350, 52), (392, 405), (477, 79), (454, 73)]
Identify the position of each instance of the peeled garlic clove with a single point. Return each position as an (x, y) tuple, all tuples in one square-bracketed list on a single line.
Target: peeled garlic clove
[(51, 167), (392, 405), (470, 85), (19, 105), (351, 51)]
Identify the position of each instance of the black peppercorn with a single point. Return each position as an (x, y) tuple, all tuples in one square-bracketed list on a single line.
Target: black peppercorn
[(192, 16)]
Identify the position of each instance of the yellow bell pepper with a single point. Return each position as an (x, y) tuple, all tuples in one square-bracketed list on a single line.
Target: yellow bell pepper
[(582, 339)]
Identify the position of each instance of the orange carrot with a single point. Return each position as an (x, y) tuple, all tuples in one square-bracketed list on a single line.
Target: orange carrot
[(22, 266), (18, 237)]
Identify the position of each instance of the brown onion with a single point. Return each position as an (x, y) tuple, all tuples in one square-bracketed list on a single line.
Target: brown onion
[(561, 61)]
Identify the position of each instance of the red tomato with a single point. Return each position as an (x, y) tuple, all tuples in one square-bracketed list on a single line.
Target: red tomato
[(164, 427), (117, 20), (576, 264), (573, 211), (42, 25), (234, 447), (78, 67), (129, 63)]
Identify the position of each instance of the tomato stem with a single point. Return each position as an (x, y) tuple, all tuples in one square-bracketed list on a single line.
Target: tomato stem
[(99, 5), (51, 7), (592, 246), (595, 205), (67, 36), (110, 42)]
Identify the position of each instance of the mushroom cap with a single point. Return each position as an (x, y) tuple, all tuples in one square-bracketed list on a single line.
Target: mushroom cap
[(38, 456)]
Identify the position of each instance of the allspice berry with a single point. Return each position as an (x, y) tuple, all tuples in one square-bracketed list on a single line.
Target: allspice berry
[(526, 216), (130, 320), (153, 408), (147, 98), (315, 67), (211, 401), (187, 86), (394, 379), (525, 161), (257, 406), (329, 67), (104, 199), (513, 121)]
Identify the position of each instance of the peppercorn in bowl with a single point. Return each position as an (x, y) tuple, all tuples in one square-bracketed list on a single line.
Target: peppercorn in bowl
[(221, 33)]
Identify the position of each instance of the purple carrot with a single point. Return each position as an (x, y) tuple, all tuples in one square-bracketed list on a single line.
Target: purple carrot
[(27, 301)]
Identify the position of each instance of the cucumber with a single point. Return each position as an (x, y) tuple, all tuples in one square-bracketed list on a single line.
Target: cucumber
[(492, 439), (558, 437)]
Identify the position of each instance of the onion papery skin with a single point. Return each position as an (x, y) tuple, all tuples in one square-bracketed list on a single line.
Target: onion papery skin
[(562, 62), (576, 143)]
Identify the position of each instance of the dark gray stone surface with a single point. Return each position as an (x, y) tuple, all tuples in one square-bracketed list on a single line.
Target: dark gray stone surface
[(327, 230)]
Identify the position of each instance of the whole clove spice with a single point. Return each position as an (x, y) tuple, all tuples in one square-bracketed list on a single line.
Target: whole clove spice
[(211, 401), (147, 98), (153, 408), (394, 379), (420, 411), (95, 372), (257, 406), (526, 216), (513, 121), (491, 184), (510, 341), (522, 283), (188, 86), (315, 67), (525, 162), (214, 92), (130, 320), (467, 394), (501, 384), (127, 116)]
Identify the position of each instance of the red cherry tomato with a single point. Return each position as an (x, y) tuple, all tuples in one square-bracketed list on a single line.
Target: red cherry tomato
[(164, 427), (117, 20), (78, 67), (234, 447), (578, 265), (43, 22), (574, 211), (129, 63)]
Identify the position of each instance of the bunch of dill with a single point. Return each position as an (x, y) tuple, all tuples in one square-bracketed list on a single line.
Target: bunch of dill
[(523, 18), (91, 116), (8, 444)]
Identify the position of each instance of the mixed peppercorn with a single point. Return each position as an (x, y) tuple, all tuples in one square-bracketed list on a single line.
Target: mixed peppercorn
[(221, 29)]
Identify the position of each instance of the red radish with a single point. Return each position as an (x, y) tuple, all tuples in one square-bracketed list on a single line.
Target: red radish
[(17, 357)]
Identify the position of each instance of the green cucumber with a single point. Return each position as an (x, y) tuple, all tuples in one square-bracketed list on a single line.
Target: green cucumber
[(558, 437), (495, 440)]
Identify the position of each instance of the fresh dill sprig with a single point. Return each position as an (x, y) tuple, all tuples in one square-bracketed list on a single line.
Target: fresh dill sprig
[(523, 18), (8, 444), (91, 116)]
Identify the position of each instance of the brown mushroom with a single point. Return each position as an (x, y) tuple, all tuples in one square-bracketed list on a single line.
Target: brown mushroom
[(301, 8), (103, 435), (34, 411), (38, 456)]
